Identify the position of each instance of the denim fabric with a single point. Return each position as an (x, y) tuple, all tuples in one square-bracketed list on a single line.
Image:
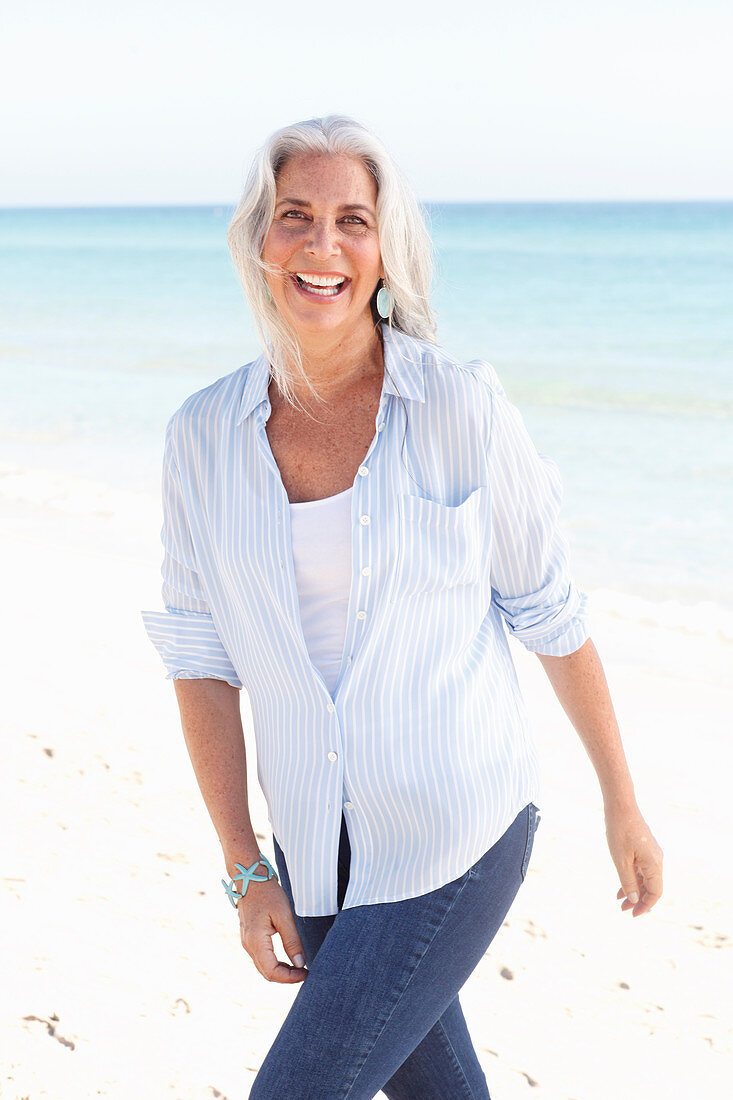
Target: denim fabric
[(379, 1008)]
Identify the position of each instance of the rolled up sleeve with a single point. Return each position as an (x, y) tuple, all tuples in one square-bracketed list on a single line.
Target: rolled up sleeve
[(530, 573), (184, 634)]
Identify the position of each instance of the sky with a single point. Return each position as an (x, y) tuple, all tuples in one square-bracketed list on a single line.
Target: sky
[(165, 103)]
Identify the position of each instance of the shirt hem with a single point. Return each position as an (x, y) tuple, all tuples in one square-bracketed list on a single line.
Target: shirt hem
[(442, 881)]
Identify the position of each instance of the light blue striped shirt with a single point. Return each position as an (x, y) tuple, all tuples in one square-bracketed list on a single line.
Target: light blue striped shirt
[(425, 744)]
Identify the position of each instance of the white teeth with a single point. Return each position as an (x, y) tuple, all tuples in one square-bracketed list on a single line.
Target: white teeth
[(321, 280)]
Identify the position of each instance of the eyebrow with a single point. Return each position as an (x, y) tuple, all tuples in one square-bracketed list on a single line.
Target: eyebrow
[(344, 206)]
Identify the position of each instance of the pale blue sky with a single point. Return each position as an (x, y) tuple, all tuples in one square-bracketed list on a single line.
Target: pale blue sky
[(165, 103)]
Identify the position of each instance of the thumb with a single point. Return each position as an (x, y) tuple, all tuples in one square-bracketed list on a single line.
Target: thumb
[(629, 884), (294, 950), (291, 941)]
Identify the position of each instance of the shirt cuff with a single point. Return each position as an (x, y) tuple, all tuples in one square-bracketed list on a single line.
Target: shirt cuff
[(189, 646), (568, 630)]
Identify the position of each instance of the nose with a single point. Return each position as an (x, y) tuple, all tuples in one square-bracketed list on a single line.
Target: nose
[(321, 242)]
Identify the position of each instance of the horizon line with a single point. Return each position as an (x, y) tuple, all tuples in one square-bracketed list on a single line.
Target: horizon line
[(423, 202)]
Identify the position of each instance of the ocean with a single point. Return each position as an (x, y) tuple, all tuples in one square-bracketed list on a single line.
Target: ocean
[(609, 324)]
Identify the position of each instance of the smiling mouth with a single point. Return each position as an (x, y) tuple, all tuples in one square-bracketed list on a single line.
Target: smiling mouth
[(320, 286)]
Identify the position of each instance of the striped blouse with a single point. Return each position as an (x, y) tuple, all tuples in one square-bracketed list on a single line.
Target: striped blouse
[(425, 743)]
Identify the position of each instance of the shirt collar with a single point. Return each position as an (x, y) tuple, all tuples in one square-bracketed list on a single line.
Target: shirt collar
[(403, 375)]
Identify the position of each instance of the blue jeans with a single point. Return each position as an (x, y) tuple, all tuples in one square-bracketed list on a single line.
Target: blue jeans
[(379, 1008)]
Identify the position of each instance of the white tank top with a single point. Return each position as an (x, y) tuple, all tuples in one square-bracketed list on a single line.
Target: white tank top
[(321, 539)]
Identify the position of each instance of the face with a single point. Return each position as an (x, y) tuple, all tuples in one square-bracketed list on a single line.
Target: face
[(324, 240)]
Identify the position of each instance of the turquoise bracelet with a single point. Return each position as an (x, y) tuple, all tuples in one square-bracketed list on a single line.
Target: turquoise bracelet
[(246, 876)]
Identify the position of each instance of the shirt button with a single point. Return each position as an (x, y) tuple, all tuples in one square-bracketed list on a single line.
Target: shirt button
[(363, 471), (332, 756), (380, 425), (348, 805), (364, 520), (361, 614), (366, 571), (330, 708)]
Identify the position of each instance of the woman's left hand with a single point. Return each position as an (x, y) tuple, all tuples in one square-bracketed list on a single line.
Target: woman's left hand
[(638, 859)]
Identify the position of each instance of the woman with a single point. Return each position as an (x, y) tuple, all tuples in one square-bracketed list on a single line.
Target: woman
[(352, 523)]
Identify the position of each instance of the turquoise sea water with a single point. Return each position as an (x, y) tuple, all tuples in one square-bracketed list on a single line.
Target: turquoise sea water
[(610, 325)]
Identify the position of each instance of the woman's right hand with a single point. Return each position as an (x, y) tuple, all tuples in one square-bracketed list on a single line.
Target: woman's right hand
[(263, 911)]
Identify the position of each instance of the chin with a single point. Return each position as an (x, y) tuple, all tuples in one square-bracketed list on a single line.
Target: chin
[(313, 322)]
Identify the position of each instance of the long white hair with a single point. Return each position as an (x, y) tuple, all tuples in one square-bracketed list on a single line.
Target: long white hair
[(405, 244)]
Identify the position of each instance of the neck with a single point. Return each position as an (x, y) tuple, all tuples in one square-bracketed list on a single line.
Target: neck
[(335, 362)]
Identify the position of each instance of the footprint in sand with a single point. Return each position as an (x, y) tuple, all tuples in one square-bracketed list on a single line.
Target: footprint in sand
[(715, 940), (530, 1080), (50, 1025), (534, 930)]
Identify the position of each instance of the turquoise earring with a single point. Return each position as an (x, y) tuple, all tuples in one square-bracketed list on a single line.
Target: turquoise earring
[(385, 303)]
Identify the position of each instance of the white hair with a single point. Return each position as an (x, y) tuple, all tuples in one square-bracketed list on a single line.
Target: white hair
[(405, 244)]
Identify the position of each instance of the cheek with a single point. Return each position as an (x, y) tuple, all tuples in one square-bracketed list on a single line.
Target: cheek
[(368, 259), (277, 246)]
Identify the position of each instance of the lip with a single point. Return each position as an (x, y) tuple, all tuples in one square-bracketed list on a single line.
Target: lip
[(335, 274), (311, 296)]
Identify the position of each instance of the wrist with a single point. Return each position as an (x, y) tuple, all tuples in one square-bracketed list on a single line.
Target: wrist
[(259, 869), (617, 786), (244, 856), (242, 848), (620, 800)]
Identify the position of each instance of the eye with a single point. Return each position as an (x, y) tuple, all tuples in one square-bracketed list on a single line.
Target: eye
[(354, 219), (298, 213)]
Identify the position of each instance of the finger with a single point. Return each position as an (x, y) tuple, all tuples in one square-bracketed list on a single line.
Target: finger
[(290, 939), (264, 957), (646, 903), (626, 904), (622, 893), (651, 894), (631, 894), (629, 886)]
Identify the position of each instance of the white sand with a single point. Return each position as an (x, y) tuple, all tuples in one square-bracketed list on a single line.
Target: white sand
[(123, 976)]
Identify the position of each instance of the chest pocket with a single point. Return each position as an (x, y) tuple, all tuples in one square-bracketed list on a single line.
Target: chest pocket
[(440, 546)]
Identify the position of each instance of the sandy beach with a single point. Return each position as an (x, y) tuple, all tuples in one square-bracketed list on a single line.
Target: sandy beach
[(123, 976)]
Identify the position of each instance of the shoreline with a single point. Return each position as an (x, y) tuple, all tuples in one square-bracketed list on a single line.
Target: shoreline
[(136, 513)]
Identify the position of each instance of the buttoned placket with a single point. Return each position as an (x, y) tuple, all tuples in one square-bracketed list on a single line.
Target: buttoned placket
[(362, 551), (359, 603)]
